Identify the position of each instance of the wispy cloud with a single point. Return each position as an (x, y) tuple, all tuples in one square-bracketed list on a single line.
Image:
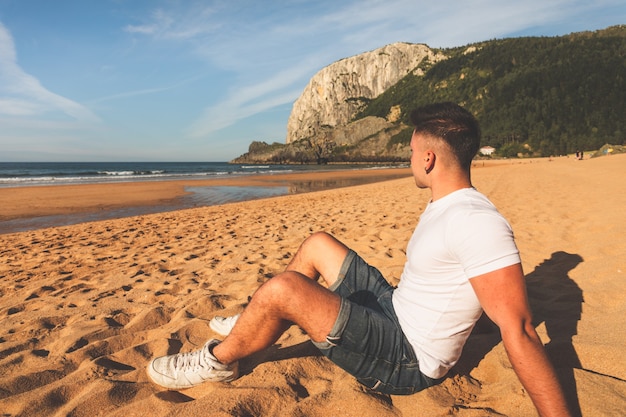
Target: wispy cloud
[(145, 91), (248, 100), (18, 107), (244, 47), (22, 94), (185, 24)]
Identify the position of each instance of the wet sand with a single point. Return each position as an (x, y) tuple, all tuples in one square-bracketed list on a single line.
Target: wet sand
[(29, 208)]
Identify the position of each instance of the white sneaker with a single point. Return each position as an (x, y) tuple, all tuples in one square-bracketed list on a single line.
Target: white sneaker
[(223, 325), (186, 370)]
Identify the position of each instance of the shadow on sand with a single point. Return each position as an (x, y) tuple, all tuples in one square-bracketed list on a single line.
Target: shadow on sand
[(556, 301)]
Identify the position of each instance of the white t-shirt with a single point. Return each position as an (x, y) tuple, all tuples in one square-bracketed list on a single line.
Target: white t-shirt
[(459, 236)]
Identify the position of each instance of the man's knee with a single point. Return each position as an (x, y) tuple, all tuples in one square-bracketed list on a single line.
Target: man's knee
[(279, 287), (320, 242), (319, 238)]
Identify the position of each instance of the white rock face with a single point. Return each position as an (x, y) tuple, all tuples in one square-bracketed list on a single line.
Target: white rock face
[(337, 92)]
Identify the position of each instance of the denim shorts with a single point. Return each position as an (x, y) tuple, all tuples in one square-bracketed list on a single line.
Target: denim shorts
[(366, 339)]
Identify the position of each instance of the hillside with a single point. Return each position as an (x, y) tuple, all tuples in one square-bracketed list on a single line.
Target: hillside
[(537, 96)]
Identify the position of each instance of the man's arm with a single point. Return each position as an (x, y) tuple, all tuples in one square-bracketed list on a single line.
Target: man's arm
[(502, 294)]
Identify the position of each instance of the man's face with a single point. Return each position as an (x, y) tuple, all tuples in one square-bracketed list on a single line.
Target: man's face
[(418, 159)]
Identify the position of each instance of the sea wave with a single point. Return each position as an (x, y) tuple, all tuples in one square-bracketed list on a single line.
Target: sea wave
[(134, 173), (112, 176)]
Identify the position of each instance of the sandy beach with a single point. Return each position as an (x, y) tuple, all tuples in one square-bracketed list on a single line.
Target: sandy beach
[(85, 307)]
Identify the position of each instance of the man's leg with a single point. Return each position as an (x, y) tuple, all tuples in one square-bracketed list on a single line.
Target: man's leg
[(319, 255), (286, 299), (293, 296)]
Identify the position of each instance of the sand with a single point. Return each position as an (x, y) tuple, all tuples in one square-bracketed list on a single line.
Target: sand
[(85, 307)]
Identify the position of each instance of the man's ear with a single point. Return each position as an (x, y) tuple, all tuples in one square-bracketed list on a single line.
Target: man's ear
[(429, 161)]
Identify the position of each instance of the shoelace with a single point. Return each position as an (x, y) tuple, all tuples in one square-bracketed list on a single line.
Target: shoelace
[(190, 361)]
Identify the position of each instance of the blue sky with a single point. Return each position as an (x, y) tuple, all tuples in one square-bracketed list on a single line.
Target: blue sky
[(174, 80)]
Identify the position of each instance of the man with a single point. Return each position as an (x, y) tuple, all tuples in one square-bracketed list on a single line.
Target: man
[(461, 260)]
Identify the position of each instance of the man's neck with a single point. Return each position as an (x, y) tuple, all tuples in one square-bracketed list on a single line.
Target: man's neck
[(445, 185)]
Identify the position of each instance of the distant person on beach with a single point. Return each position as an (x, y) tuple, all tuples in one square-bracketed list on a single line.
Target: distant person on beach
[(461, 260)]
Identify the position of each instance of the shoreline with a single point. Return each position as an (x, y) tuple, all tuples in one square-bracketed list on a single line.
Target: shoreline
[(34, 207)]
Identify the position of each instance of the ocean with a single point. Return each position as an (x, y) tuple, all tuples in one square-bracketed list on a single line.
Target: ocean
[(24, 174), (20, 174)]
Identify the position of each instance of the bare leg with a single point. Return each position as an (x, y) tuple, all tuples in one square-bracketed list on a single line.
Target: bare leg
[(319, 255), (287, 298), (291, 297)]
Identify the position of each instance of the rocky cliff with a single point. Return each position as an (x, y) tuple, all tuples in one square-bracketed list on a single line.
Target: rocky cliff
[(320, 128), (337, 92)]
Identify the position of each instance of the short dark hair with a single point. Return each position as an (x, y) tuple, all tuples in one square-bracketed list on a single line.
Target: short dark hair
[(454, 125)]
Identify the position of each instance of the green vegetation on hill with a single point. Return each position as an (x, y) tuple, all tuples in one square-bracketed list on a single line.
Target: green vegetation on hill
[(535, 95)]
